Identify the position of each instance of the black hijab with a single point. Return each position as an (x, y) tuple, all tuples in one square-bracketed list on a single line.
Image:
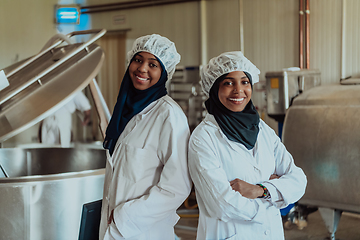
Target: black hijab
[(130, 102), (241, 127)]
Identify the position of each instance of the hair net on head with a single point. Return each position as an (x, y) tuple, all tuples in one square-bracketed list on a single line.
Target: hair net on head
[(159, 46), (225, 63)]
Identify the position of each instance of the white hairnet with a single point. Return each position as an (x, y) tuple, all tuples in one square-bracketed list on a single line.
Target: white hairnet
[(159, 46), (225, 63)]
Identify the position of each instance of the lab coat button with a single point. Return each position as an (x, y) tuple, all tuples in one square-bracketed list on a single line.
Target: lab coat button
[(267, 232)]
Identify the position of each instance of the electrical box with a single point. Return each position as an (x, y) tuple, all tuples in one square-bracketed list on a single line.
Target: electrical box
[(283, 86)]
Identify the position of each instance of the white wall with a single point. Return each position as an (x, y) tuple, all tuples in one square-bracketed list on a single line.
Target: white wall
[(223, 27), (271, 34), (25, 26), (325, 39), (178, 22), (270, 30)]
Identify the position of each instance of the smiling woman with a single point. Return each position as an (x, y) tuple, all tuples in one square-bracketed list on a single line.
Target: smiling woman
[(241, 171), (147, 177)]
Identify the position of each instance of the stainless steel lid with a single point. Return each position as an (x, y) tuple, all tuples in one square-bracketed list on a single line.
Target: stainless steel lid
[(330, 94), (42, 84)]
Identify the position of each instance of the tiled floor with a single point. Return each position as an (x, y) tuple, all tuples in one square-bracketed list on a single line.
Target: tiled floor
[(348, 228)]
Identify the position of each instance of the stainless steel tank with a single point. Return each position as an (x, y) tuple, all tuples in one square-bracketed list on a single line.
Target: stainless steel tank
[(42, 190), (322, 132), (42, 196)]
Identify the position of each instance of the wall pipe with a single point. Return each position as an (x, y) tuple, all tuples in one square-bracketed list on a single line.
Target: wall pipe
[(241, 13), (301, 33), (343, 39), (203, 28), (307, 33), (128, 5)]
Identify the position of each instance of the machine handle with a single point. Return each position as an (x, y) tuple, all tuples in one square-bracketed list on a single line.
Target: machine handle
[(99, 33)]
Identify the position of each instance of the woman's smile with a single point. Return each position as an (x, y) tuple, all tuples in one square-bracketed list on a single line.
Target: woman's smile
[(237, 100), (141, 78)]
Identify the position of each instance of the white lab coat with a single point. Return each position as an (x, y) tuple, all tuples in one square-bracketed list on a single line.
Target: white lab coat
[(147, 177), (214, 160), (56, 129)]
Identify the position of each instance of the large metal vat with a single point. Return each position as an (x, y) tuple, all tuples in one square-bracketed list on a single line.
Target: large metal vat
[(43, 195), (42, 190), (322, 132)]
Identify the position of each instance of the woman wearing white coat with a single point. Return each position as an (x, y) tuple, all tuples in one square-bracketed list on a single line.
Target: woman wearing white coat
[(242, 172), (147, 177)]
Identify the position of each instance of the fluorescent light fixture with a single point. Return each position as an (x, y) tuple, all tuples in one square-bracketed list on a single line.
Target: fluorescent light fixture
[(67, 14)]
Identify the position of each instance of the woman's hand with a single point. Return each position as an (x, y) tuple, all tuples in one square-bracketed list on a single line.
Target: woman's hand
[(249, 190), (274, 176), (246, 189)]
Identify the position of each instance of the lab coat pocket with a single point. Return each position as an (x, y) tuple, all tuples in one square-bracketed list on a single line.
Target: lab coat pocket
[(139, 164)]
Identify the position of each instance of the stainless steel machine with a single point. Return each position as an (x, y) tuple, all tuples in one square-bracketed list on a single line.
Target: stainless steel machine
[(185, 89), (42, 190), (322, 132), (283, 86)]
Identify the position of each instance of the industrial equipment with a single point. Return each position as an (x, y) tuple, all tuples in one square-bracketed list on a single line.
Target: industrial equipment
[(186, 91), (322, 132), (283, 86), (42, 190)]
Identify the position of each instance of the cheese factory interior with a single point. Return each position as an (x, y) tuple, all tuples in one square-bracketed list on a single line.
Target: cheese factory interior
[(308, 54)]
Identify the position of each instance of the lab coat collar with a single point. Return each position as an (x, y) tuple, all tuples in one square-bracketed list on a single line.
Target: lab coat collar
[(210, 120), (134, 122), (150, 108)]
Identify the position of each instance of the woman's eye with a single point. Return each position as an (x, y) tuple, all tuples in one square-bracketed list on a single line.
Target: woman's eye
[(227, 83), (153, 65), (137, 60)]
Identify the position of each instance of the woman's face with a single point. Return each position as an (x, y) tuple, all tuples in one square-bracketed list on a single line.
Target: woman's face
[(235, 91), (145, 70)]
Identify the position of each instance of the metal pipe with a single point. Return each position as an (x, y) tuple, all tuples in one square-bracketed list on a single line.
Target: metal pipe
[(301, 33), (128, 5), (241, 14), (101, 107), (203, 29), (307, 33), (112, 4), (343, 39)]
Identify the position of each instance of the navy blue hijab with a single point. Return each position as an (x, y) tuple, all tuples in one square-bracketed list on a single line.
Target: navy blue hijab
[(241, 127), (130, 102)]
